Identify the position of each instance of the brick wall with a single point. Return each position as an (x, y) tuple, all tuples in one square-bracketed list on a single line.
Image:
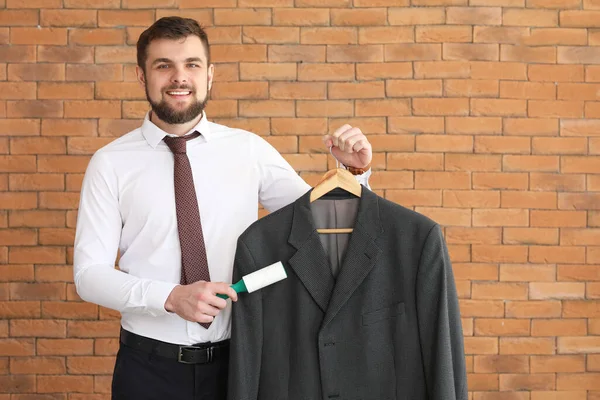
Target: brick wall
[(484, 115)]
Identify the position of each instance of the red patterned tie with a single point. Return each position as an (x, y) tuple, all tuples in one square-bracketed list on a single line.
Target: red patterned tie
[(194, 265)]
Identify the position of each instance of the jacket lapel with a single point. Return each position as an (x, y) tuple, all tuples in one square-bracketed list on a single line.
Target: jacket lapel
[(361, 254), (310, 262)]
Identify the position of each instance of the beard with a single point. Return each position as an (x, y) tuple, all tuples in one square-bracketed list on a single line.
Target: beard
[(172, 116)]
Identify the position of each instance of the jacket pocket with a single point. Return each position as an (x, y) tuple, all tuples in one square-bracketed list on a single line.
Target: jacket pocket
[(383, 313)]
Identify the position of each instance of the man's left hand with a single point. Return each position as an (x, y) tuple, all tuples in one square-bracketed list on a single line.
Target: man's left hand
[(350, 146)]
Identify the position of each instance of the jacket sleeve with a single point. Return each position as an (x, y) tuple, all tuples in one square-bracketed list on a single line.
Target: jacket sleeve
[(246, 334), (440, 328)]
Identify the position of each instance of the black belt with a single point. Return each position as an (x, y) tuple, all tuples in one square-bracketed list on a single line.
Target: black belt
[(200, 353)]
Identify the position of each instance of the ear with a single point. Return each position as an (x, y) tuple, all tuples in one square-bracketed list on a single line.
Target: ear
[(211, 74), (140, 75)]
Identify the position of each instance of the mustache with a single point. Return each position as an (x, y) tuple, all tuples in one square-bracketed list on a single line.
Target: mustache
[(178, 87)]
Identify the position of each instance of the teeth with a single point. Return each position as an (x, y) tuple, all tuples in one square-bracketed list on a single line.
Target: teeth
[(179, 93)]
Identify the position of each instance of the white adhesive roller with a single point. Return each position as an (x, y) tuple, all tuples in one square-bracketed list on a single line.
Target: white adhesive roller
[(259, 279)]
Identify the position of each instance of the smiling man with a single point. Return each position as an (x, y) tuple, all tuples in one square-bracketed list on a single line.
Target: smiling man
[(172, 198)]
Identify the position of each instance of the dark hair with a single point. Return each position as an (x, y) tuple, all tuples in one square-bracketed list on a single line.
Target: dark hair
[(170, 28)]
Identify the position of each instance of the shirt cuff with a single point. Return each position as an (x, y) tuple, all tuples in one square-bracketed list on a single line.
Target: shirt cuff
[(363, 178), (157, 295)]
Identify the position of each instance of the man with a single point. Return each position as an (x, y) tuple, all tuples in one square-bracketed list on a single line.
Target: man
[(167, 203)]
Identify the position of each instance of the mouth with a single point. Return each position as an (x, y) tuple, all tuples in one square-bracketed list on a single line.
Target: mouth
[(179, 94)]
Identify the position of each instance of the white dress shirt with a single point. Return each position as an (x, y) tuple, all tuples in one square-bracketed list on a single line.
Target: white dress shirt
[(128, 205)]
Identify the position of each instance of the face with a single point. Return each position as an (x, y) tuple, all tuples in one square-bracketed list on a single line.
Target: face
[(177, 79)]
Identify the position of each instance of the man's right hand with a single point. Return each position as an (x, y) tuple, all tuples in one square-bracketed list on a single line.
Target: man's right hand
[(198, 302)]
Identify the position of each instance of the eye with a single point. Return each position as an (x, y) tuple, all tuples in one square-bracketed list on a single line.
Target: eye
[(162, 66), (194, 65)]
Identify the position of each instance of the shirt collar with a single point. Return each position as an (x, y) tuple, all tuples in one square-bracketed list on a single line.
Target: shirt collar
[(154, 135)]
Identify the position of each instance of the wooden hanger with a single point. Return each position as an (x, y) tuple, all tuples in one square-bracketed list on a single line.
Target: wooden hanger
[(335, 178)]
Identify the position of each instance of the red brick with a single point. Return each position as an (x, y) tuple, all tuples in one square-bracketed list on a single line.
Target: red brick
[(472, 162), (36, 182), (413, 52), (482, 382), (414, 161), (498, 70), (19, 309), (298, 16), (374, 35), (38, 145), (499, 107), (357, 17), (298, 126), (413, 88), (39, 36), (92, 109), (528, 54), (556, 254), (356, 53), (497, 35), (558, 290), (471, 198), (268, 71), (474, 235), (500, 217), (547, 181), (557, 363), (443, 34), (116, 18), (577, 55), (474, 15), (297, 53), (69, 54), (19, 17), (527, 90), (537, 18), (392, 180), (17, 384), (527, 382), (442, 180), (506, 291), (581, 309), (90, 365), (35, 109), (11, 53), (410, 125), (416, 16), (527, 272), (368, 71), (578, 273), (529, 199), (68, 18), (556, 73), (38, 328), (473, 125), (268, 35), (559, 145), (558, 327), (18, 201), (53, 273), (411, 198), (433, 106), (381, 108), (470, 88), (530, 163), (356, 90), (245, 16), (69, 127), (60, 384), (481, 345), (38, 365), (501, 363), (499, 253), (93, 37), (245, 52), (57, 200), (556, 36), (502, 145)]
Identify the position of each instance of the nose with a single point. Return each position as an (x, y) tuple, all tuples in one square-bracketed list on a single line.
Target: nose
[(179, 76)]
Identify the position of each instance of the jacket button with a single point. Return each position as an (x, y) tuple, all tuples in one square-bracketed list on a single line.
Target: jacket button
[(329, 344)]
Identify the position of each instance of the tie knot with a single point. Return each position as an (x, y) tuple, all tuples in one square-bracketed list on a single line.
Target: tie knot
[(178, 144)]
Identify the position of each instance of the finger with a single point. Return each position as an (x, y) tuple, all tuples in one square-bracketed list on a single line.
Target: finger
[(327, 140), (344, 139), (208, 309), (339, 132), (200, 317)]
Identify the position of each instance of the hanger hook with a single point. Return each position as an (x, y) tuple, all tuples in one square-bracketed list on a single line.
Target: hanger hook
[(337, 163)]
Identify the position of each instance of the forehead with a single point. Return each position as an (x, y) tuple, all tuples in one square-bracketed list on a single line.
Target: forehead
[(176, 49)]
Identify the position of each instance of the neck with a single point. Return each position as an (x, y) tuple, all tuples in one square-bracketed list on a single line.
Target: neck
[(175, 129)]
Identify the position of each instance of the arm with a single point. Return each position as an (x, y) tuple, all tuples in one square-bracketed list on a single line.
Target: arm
[(281, 185), (246, 334), (440, 328), (96, 243)]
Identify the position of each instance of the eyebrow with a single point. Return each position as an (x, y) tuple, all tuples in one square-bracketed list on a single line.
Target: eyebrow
[(167, 60)]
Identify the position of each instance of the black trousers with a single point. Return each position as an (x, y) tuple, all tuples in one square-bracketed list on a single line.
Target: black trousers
[(142, 376)]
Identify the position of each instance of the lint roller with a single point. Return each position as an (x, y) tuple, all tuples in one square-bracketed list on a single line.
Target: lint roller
[(259, 279)]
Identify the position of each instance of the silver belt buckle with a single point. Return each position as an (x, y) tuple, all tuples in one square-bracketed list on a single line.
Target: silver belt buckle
[(180, 355)]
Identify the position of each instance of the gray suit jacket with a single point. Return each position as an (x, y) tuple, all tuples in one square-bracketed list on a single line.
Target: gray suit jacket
[(388, 328)]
